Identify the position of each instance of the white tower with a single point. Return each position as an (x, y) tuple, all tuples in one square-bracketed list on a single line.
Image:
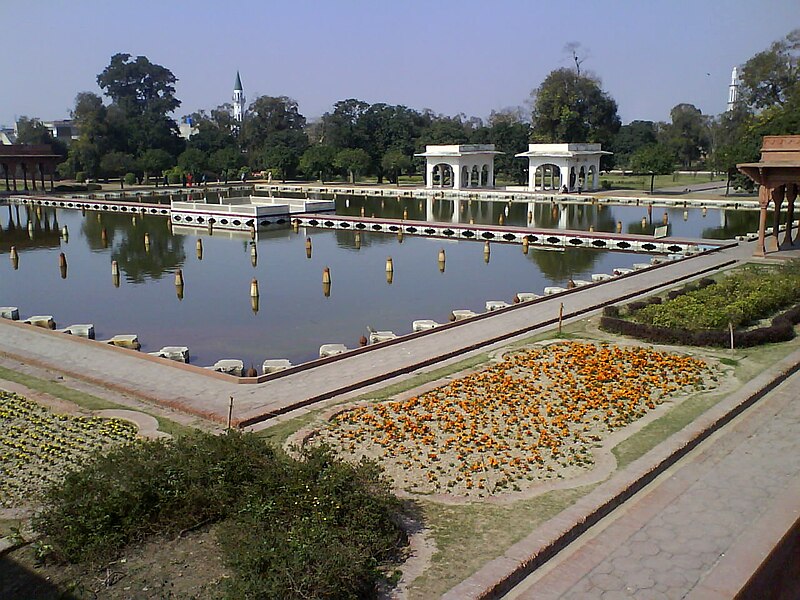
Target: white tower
[(733, 89), (238, 99)]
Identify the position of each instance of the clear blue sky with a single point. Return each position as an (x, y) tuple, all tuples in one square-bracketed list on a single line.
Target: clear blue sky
[(450, 56)]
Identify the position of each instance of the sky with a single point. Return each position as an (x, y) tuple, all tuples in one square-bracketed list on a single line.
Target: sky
[(450, 56)]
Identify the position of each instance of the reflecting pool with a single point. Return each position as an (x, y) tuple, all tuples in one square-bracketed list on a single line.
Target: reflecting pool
[(215, 317)]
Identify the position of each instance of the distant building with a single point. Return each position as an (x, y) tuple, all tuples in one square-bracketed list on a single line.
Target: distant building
[(7, 136), (238, 99), (733, 89), (186, 128), (64, 130)]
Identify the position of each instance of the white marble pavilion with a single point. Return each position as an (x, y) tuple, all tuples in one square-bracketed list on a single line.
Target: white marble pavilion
[(559, 166), (460, 166)]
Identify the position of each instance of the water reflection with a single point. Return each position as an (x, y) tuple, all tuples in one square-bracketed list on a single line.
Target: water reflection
[(213, 314)]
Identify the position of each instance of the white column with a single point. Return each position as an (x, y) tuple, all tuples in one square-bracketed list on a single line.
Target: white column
[(490, 174), (429, 173), (596, 175), (531, 175), (456, 176)]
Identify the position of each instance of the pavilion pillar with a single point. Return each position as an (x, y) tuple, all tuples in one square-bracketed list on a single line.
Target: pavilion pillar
[(791, 196), (25, 176), (777, 202), (429, 174), (596, 176), (5, 172), (41, 172), (763, 201), (456, 176), (14, 175)]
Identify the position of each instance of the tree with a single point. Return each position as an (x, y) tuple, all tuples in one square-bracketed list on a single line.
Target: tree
[(510, 135), (116, 164), (384, 127), (353, 160), (215, 131), (144, 95), (282, 151), (395, 162), (688, 134), (340, 128), (568, 107), (318, 160), (772, 76), (193, 161), (155, 161), (225, 160), (655, 159), (631, 137), (268, 116)]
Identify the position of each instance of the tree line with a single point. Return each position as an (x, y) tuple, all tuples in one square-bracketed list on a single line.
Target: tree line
[(134, 135)]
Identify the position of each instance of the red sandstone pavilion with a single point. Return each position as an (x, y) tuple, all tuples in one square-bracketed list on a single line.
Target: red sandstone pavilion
[(27, 159), (778, 177)]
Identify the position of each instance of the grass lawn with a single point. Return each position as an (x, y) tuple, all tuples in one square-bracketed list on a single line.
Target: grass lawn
[(642, 182)]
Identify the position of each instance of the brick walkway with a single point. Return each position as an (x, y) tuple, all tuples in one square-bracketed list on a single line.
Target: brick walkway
[(667, 541)]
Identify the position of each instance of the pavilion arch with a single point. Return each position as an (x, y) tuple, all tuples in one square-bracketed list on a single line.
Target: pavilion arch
[(470, 165), (570, 159)]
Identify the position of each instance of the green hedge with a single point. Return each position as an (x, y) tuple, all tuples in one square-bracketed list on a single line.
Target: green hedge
[(741, 298)]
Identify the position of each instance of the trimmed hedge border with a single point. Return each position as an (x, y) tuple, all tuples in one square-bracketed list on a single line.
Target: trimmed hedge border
[(780, 330)]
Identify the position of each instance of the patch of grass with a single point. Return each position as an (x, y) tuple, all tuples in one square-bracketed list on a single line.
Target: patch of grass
[(467, 537), (86, 400), (652, 434)]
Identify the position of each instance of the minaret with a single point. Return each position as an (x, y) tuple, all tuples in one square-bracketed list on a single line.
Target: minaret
[(733, 89), (238, 99)]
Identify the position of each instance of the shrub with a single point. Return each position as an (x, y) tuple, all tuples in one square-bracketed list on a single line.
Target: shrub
[(317, 526), (130, 178), (80, 177), (611, 311)]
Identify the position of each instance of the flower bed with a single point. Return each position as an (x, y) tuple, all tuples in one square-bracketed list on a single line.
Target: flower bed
[(38, 447), (534, 416)]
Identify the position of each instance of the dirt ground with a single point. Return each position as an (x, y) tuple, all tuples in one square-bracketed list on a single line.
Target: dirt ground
[(184, 567)]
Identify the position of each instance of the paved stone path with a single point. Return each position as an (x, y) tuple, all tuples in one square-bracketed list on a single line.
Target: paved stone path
[(665, 541), (192, 390)]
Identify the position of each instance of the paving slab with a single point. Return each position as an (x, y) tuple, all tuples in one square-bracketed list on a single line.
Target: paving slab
[(669, 540)]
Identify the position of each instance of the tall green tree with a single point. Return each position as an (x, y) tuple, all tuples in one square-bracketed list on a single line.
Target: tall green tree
[(568, 107), (394, 163), (340, 128), (354, 161), (268, 116), (654, 159), (772, 76), (143, 94), (154, 162), (632, 137), (318, 161), (688, 135)]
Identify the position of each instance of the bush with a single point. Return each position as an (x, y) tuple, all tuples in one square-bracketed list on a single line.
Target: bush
[(605, 184), (781, 329), (130, 178), (318, 527), (611, 311), (80, 177)]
